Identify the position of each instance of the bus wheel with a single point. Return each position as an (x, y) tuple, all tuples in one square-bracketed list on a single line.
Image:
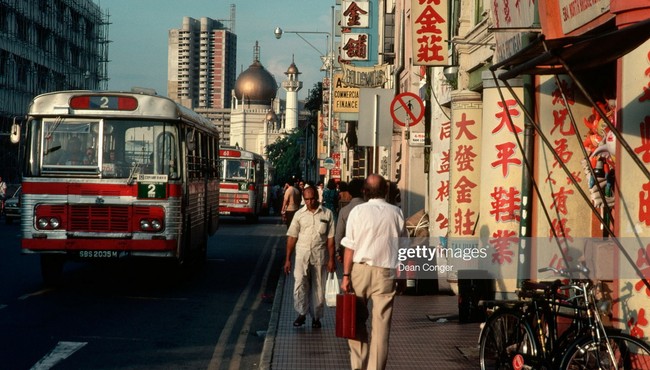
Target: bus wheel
[(52, 269)]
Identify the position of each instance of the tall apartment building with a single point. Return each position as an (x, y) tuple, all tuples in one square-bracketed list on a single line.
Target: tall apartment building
[(202, 64), (46, 45)]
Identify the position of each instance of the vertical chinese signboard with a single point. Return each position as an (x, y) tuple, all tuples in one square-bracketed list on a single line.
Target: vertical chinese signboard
[(439, 218), (634, 204), (570, 217), (429, 27), (355, 15), (501, 171), (465, 173)]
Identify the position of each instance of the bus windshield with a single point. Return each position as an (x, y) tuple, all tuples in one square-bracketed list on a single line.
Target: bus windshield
[(110, 148), (238, 169)]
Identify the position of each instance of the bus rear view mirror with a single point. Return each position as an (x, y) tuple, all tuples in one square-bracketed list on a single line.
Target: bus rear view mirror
[(191, 143), (15, 132)]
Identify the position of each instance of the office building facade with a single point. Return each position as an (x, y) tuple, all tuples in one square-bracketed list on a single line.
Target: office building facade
[(202, 63)]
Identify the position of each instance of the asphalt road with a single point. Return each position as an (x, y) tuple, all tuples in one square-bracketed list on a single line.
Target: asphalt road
[(136, 314)]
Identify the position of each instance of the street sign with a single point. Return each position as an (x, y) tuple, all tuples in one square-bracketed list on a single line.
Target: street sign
[(417, 139), (407, 109), (329, 163)]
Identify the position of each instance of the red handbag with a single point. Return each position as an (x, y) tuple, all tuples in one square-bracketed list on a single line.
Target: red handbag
[(346, 315)]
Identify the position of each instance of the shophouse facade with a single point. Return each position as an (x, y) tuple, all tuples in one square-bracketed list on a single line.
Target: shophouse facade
[(538, 153)]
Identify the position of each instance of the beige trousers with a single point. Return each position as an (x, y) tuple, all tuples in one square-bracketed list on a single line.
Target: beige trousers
[(376, 284)]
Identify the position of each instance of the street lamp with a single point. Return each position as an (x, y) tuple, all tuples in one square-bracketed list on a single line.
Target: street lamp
[(328, 65)]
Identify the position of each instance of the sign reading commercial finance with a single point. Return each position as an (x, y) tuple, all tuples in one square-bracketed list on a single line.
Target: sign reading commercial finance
[(355, 14), (365, 76), (429, 27), (346, 98)]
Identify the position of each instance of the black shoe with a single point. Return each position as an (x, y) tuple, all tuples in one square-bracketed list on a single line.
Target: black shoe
[(300, 321), (315, 323)]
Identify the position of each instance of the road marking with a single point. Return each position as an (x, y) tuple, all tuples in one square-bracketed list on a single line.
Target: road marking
[(40, 292), (219, 349), (62, 351), (3, 306), (235, 362)]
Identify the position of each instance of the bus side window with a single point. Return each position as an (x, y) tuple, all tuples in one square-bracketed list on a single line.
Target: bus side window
[(166, 161)]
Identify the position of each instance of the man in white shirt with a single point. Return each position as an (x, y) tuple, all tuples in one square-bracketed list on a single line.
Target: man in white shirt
[(311, 235), (372, 239)]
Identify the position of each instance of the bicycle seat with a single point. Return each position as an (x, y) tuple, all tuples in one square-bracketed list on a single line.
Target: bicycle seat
[(535, 289)]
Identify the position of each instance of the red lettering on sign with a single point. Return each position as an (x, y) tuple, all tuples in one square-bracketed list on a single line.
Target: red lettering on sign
[(353, 14), (463, 127), (501, 241)]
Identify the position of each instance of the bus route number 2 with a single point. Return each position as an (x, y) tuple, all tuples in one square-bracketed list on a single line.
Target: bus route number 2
[(151, 191)]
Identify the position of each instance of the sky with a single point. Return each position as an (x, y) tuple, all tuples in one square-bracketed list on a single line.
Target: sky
[(138, 33)]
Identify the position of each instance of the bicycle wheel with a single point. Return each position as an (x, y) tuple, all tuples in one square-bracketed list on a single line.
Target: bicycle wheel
[(628, 353), (506, 338)]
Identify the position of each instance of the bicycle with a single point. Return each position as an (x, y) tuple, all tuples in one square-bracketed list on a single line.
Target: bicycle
[(525, 333)]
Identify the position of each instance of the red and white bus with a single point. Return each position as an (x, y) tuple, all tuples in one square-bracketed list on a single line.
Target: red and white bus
[(114, 174), (269, 178), (241, 182)]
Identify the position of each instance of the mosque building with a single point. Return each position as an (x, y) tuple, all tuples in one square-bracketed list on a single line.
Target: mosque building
[(256, 118)]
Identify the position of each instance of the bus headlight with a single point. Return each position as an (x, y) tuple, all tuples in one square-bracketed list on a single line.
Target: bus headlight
[(145, 225), (151, 225), (43, 223), (48, 223), (156, 225)]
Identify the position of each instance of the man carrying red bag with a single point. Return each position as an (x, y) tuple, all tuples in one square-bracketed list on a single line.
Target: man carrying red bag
[(372, 240)]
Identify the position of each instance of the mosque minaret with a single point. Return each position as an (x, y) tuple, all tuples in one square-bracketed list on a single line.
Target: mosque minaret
[(292, 85)]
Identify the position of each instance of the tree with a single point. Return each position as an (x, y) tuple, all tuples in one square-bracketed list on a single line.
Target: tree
[(285, 154)]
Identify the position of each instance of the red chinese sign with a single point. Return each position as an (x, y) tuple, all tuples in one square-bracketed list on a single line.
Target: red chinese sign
[(463, 163), (355, 14), (355, 46), (429, 27), (501, 171)]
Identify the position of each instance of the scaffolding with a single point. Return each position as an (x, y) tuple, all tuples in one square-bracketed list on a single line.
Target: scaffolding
[(47, 46)]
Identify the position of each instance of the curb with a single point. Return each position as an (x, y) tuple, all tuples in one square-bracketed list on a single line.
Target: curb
[(266, 357)]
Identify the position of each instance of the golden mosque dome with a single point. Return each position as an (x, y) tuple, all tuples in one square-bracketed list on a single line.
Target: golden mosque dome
[(256, 85)]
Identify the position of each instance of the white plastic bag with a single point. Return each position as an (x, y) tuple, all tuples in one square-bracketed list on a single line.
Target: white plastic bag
[(332, 288)]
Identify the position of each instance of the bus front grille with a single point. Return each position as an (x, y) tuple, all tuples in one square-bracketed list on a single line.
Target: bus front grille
[(97, 218)]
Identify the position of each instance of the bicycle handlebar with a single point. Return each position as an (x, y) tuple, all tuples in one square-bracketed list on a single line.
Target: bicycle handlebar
[(580, 269)]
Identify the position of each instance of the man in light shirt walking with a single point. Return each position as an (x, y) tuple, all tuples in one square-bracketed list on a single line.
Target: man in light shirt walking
[(311, 235), (372, 239)]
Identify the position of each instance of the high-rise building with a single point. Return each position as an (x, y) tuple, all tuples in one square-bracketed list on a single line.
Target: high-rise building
[(202, 63), (46, 46)]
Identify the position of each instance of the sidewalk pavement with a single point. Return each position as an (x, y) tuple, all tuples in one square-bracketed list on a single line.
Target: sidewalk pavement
[(425, 334)]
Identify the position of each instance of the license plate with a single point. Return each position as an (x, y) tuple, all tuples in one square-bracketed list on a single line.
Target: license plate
[(103, 254)]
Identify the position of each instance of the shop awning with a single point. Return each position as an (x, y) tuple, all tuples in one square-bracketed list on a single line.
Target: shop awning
[(544, 57)]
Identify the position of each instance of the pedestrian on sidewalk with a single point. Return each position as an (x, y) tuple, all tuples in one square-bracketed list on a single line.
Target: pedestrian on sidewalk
[(291, 202), (3, 195), (311, 235), (331, 197), (355, 188), (372, 239)]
